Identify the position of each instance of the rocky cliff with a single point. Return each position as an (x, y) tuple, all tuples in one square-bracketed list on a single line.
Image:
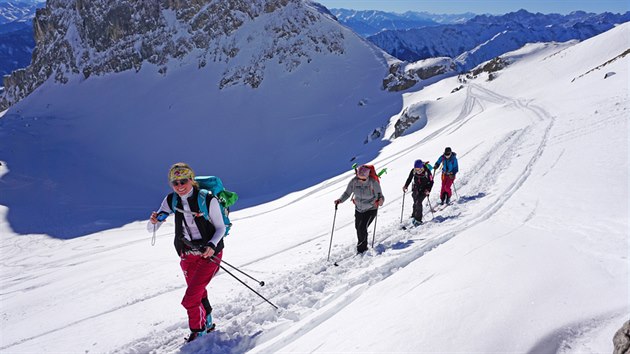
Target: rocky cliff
[(81, 38)]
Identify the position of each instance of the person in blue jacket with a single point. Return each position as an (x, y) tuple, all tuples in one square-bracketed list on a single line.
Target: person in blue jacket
[(448, 161)]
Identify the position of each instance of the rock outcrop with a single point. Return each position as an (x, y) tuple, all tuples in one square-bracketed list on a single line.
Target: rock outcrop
[(621, 340)]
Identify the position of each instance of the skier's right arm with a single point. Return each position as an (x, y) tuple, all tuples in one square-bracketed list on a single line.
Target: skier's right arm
[(408, 181), (346, 194)]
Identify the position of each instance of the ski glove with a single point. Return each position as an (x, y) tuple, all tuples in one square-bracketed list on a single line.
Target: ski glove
[(338, 201)]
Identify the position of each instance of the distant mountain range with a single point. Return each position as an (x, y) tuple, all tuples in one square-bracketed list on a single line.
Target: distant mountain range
[(484, 37), (367, 23), (466, 38), (16, 34)]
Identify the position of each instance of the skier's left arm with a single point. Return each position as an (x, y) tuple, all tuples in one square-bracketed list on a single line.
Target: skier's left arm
[(429, 185), (216, 218), (455, 166), (380, 199)]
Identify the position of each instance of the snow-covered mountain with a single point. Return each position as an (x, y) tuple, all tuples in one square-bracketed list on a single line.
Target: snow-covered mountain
[(120, 91), (370, 22), (532, 257), (485, 37)]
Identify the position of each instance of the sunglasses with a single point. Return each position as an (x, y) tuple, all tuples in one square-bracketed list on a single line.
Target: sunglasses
[(448, 155), (180, 182)]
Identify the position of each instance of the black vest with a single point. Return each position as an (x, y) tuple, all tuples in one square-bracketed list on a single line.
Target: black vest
[(206, 229)]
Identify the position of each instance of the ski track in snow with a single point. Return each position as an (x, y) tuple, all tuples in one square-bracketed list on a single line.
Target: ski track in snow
[(324, 289)]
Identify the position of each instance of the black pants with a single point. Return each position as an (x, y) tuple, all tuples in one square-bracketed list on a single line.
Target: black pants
[(206, 305), (418, 198), (361, 222)]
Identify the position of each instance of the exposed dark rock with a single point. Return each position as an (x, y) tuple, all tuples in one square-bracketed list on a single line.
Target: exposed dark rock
[(493, 65), (401, 78), (412, 115), (621, 340)]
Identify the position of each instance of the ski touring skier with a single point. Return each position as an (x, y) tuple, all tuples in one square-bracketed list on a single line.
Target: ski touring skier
[(198, 242), (368, 196), (420, 189), (448, 161)]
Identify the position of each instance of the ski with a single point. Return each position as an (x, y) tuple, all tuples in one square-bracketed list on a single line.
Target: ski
[(211, 329), (440, 207), (345, 259), (412, 226), (336, 264)]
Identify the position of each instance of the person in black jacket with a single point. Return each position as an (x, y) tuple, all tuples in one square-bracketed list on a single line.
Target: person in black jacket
[(198, 242), (422, 184)]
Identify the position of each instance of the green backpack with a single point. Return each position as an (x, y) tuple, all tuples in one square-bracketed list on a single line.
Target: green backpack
[(214, 186)]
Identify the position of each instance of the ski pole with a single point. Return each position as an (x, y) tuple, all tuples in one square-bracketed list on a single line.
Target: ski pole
[(261, 283), (374, 234), (331, 233), (201, 249), (403, 207), (455, 189), (430, 207), (242, 282)]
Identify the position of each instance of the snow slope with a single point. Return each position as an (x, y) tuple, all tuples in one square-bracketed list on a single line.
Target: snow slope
[(532, 257)]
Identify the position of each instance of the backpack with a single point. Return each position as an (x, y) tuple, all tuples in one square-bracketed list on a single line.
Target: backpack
[(214, 186)]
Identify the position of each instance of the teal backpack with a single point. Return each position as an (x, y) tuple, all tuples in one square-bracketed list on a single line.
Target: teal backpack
[(214, 186)]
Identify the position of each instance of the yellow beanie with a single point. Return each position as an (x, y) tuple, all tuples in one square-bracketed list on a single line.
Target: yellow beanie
[(180, 171)]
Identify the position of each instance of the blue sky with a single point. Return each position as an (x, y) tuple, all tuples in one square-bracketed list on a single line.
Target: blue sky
[(482, 6)]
